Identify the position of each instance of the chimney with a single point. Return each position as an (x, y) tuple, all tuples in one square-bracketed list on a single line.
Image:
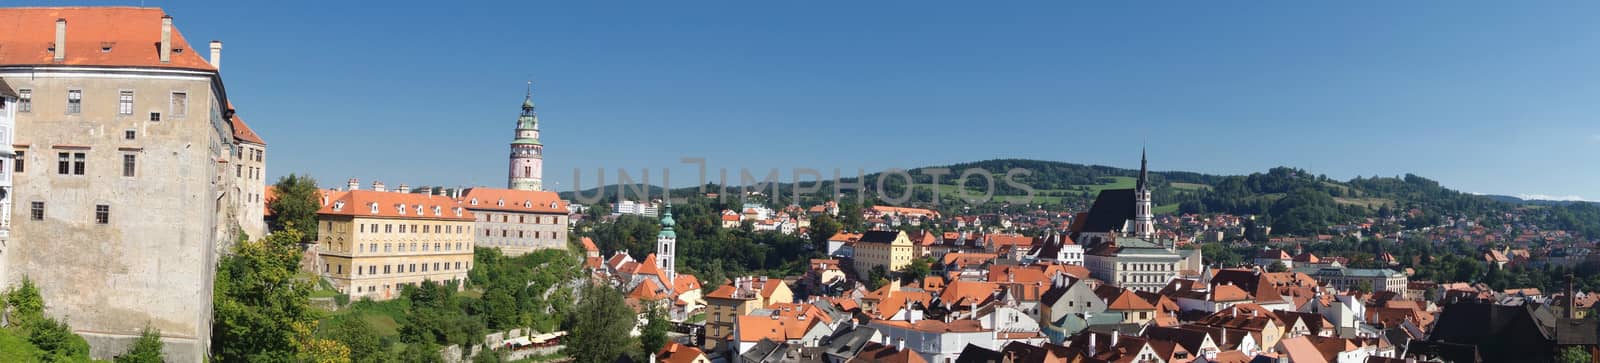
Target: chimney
[(166, 38), (377, 186), (403, 188), (353, 184), (900, 344), (61, 39), (216, 54), (1114, 336)]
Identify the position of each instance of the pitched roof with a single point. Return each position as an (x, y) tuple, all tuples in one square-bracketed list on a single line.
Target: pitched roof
[(961, 292), (242, 132), (879, 353), (1119, 299), (588, 245), (481, 198), (649, 291), (678, 353), (359, 203), (1111, 209), (880, 236), (28, 34)]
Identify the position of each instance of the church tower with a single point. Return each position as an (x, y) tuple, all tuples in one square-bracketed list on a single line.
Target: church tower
[(1143, 219), (666, 245), (527, 154)]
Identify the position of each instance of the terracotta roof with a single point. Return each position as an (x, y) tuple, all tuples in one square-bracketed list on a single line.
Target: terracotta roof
[(648, 266), (935, 326), (588, 245), (359, 203), (1000, 239), (515, 200), (878, 353), (684, 283), (678, 353), (649, 291), (1119, 299), (28, 34), (242, 132), (960, 292)]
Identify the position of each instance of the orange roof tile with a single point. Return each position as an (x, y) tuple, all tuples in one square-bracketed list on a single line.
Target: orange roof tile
[(242, 132), (678, 353), (588, 245), (481, 198), (29, 33), (962, 292), (685, 282), (359, 203), (649, 291)]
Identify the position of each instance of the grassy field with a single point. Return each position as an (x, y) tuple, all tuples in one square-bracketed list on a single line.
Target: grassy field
[(1371, 203), (1190, 186)]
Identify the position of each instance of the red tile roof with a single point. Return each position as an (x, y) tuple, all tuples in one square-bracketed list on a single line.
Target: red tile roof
[(678, 353), (242, 132), (359, 203), (29, 33), (515, 200)]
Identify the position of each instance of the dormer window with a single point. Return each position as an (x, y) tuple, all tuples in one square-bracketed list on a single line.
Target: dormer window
[(527, 204), (458, 211), (501, 203), (437, 211), (474, 201), (374, 208), (419, 209), (400, 208), (338, 205), (553, 205)]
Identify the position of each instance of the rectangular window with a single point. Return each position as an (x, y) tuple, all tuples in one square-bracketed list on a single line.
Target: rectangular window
[(37, 211), (78, 160), (22, 157), (155, 116), (64, 163), (386, 269), (24, 100), (129, 165), (102, 214), (125, 103), (74, 101), (180, 104), (130, 134), (372, 270)]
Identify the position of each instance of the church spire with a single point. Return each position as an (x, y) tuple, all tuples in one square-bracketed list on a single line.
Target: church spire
[(527, 153), (1144, 170)]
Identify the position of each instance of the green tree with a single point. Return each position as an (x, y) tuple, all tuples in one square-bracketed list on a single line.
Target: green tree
[(55, 338), (1277, 266), (603, 321), (913, 272), (654, 334), (258, 301), (823, 226), (359, 336), (1573, 355), (295, 204), (145, 350), (26, 303)]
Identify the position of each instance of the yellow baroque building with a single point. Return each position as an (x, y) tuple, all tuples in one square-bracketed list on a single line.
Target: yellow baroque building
[(372, 243)]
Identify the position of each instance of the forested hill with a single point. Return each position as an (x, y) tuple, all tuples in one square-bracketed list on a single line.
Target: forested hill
[(1292, 201)]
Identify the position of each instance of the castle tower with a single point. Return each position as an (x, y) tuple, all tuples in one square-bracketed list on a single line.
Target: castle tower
[(527, 154), (1143, 219), (666, 246)]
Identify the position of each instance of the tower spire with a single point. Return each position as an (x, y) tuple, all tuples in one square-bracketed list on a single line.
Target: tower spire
[(527, 153), (1144, 169)]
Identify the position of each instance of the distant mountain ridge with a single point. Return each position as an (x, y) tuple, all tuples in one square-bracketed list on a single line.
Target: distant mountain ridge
[(1519, 200)]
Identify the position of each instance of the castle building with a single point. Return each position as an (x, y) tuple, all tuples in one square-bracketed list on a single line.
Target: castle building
[(371, 243), (122, 160), (250, 176), (527, 154), (517, 221)]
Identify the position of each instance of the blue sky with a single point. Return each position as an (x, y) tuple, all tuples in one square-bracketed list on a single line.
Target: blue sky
[(1484, 97)]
